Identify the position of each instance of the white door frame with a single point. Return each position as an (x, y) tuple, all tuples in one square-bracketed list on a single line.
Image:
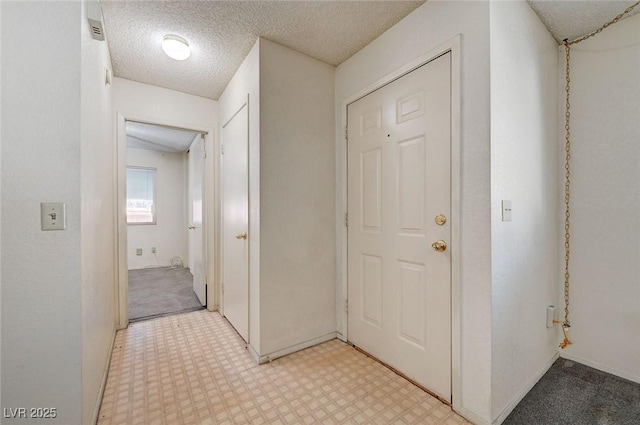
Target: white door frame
[(221, 305), (211, 255), (452, 46)]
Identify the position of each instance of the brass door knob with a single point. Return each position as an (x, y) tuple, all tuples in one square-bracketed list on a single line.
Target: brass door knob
[(439, 246), (191, 227), (242, 235)]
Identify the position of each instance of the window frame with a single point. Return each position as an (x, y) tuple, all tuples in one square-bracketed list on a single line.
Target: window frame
[(155, 199)]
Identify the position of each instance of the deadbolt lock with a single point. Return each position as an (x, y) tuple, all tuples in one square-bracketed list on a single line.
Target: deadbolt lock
[(439, 246), (441, 220)]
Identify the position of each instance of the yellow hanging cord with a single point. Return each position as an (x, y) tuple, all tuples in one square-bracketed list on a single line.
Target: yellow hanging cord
[(566, 324)]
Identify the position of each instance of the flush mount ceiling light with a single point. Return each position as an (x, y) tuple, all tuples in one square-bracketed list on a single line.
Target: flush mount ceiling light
[(176, 47)]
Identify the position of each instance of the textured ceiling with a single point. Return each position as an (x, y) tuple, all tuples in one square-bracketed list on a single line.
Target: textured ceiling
[(572, 19), (221, 33), (158, 138)]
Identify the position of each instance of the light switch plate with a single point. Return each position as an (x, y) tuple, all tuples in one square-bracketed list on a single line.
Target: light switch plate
[(53, 216), (506, 210)]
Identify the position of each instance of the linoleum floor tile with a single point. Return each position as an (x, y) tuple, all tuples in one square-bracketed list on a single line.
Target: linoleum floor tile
[(194, 369)]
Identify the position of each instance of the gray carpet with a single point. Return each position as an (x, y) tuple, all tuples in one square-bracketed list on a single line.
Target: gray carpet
[(571, 393), (161, 291)]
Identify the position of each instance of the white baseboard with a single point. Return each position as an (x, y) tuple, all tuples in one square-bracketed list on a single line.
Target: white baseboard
[(507, 410), (470, 416), (254, 354), (103, 383), (600, 366), (297, 347)]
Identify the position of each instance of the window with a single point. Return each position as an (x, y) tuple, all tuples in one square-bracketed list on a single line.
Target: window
[(141, 194)]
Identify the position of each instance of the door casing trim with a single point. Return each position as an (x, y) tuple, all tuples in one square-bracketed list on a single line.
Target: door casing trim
[(453, 45), (211, 193)]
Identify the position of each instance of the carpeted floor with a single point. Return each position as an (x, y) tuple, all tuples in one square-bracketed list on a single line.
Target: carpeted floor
[(571, 393), (160, 291)]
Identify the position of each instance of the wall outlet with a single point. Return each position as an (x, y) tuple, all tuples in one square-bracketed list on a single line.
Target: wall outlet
[(138, 251), (153, 250), (551, 315), (506, 210)]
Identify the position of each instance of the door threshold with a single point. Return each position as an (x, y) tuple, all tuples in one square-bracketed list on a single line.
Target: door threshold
[(402, 375)]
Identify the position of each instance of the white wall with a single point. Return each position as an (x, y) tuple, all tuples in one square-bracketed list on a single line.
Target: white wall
[(41, 161), (605, 199), (169, 106), (426, 28), (168, 235), (524, 169), (297, 196), (0, 202), (98, 237), (291, 195), (244, 85), (163, 106)]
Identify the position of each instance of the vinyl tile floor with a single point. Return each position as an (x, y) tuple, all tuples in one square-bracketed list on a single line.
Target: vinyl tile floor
[(193, 368)]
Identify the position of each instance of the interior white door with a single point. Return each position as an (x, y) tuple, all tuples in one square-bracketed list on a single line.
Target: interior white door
[(235, 217), (196, 213), (399, 287)]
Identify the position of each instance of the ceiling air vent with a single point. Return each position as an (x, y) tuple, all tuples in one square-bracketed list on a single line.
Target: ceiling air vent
[(97, 32)]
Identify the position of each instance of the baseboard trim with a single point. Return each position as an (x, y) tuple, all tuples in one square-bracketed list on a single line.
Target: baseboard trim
[(512, 405), (306, 344), (254, 354), (600, 367), (470, 416), (103, 383)]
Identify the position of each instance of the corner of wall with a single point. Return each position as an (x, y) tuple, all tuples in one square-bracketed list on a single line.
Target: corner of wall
[(98, 241), (524, 159)]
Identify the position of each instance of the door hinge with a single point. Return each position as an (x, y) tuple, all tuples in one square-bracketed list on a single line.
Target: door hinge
[(346, 133), (222, 286), (346, 306), (205, 153), (222, 149), (346, 219)]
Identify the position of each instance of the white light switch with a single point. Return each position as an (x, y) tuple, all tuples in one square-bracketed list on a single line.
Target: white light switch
[(52, 216), (506, 210)]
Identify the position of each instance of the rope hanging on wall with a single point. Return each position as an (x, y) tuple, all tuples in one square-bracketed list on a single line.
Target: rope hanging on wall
[(566, 324)]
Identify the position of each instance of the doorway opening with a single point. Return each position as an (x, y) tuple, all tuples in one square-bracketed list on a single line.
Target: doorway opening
[(165, 220)]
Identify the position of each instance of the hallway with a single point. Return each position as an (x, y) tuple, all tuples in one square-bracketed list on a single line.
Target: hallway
[(193, 369)]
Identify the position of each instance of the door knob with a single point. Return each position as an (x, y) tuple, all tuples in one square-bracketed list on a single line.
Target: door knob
[(439, 246), (191, 227), (242, 235)]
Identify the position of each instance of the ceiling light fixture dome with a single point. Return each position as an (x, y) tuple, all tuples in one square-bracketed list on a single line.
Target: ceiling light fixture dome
[(176, 47)]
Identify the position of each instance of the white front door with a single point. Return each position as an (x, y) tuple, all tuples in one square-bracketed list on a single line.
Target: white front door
[(196, 214), (399, 191), (235, 222)]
